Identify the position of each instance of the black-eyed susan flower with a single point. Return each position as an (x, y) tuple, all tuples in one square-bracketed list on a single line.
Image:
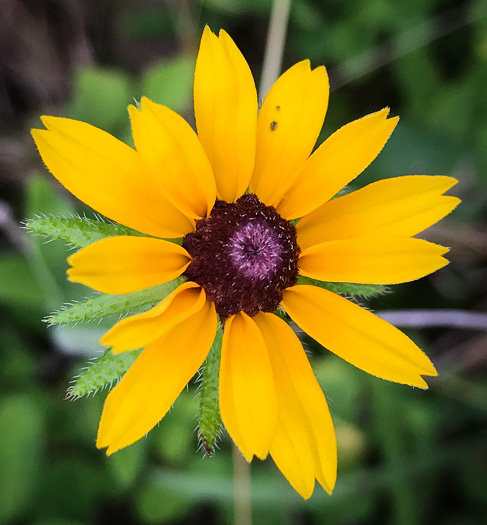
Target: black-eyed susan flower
[(256, 216)]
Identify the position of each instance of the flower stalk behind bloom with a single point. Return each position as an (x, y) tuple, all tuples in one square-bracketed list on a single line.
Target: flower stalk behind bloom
[(232, 192)]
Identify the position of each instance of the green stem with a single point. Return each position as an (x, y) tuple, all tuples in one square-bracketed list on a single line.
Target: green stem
[(209, 416)]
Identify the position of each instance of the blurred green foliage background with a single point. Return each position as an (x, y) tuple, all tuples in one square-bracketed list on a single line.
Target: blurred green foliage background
[(406, 457)]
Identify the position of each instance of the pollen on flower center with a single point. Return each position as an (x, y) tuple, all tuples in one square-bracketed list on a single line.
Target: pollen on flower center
[(255, 250), (244, 255)]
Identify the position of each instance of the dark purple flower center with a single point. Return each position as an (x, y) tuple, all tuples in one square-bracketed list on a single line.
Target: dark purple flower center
[(244, 255)]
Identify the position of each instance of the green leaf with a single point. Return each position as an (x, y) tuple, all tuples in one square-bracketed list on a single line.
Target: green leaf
[(170, 83), (156, 506), (174, 439), (72, 485), (101, 97), (44, 195), (21, 445), (48, 260), (345, 288), (102, 372), (18, 285), (128, 463), (104, 304), (209, 412), (79, 232)]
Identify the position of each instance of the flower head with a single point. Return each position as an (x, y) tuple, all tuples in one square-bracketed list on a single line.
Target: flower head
[(260, 230)]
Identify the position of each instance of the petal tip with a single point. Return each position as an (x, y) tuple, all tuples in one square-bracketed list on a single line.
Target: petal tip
[(420, 383), (134, 109), (430, 370), (207, 30), (320, 76), (119, 350), (39, 136), (321, 71), (306, 64), (145, 102), (303, 66), (71, 275), (249, 456), (223, 34), (262, 454), (305, 492), (455, 201), (53, 123), (207, 37), (328, 485), (46, 119), (101, 439), (451, 180)]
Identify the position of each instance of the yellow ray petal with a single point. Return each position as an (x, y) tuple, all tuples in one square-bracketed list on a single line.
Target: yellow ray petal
[(289, 123), (292, 450), (399, 207), (247, 392), (305, 446), (174, 158), (342, 157), (372, 261), (117, 265), (357, 335), (139, 330), (152, 384), (106, 174), (225, 105)]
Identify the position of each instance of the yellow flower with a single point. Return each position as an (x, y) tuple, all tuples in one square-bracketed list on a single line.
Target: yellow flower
[(242, 252)]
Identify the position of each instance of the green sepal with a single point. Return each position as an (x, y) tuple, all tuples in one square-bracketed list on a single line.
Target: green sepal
[(363, 290), (104, 371), (76, 231), (209, 410), (103, 305)]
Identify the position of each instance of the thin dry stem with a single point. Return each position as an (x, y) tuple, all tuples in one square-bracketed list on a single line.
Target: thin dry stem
[(241, 489), (276, 39)]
